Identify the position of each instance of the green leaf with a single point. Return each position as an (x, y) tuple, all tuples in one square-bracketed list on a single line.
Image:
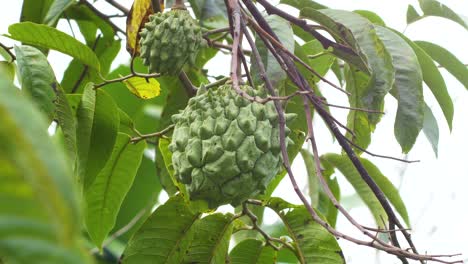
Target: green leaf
[(338, 71), (166, 156), (106, 194), (274, 72), (251, 251), (98, 123), (435, 8), (105, 47), (320, 64), (412, 15), (35, 10), (66, 119), (176, 100), (342, 35), (211, 13), (145, 88), (431, 129), (7, 70), (378, 58), (164, 237), (312, 178), (139, 200), (298, 126), (371, 16), (407, 89), (346, 167), (211, 240), (56, 10), (127, 125), (325, 206), (447, 60), (132, 105), (37, 78), (357, 121), (313, 242), (88, 22), (300, 4), (39, 212), (433, 79), (297, 135), (319, 198), (51, 38), (77, 75)]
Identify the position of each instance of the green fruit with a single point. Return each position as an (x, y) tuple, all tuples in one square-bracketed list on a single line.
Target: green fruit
[(169, 40), (225, 148)]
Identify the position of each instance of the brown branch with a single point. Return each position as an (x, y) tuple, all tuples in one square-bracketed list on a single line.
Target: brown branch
[(118, 6), (379, 156), (219, 45), (215, 31), (278, 44), (156, 134), (390, 249), (189, 87), (246, 69), (302, 84), (323, 182), (123, 78), (268, 239), (102, 16), (217, 83), (355, 108), (8, 50), (326, 43), (85, 68)]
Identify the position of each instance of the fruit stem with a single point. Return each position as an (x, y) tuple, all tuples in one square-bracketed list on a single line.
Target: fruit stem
[(179, 4)]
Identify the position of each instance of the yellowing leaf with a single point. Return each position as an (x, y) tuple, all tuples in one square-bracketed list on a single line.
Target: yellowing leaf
[(142, 87), (137, 17)]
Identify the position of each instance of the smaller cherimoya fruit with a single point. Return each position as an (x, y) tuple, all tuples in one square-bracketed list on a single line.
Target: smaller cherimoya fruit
[(225, 148), (169, 40)]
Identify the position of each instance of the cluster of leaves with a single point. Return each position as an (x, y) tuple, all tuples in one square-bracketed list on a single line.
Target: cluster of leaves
[(92, 173)]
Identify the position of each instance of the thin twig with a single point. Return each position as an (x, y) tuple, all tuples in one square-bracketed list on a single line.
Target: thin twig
[(121, 231), (8, 50), (156, 134), (326, 43), (118, 6), (301, 83), (355, 108), (102, 16), (85, 68), (189, 87), (121, 79), (215, 31), (246, 69), (268, 239), (278, 44), (217, 83), (379, 156), (311, 138)]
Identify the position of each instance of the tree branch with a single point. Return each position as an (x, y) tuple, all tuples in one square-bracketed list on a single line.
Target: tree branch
[(102, 16), (8, 50), (118, 6)]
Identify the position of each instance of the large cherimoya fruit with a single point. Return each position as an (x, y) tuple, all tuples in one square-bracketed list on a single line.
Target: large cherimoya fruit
[(169, 40), (225, 148)]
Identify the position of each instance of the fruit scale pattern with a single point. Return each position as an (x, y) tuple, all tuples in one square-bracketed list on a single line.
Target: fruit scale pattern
[(225, 148)]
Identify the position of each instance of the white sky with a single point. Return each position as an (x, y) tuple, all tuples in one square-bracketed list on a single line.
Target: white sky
[(434, 190)]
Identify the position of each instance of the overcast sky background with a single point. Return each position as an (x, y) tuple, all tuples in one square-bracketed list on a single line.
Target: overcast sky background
[(434, 190)]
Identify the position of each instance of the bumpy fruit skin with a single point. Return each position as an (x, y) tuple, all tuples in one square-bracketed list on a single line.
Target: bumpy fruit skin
[(225, 148), (169, 40)]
